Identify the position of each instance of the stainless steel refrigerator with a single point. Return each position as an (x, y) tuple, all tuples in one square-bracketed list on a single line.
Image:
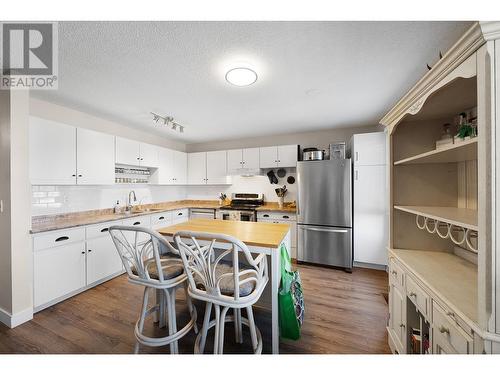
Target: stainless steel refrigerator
[(324, 207)]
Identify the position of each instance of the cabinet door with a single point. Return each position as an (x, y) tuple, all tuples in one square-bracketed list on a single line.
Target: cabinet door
[(216, 167), (166, 166), (287, 156), (58, 271), (397, 310), (234, 161), (52, 153), (127, 151), (180, 167), (370, 238), (95, 158), (197, 168), (148, 155), (251, 158), (369, 149), (102, 259), (268, 157)]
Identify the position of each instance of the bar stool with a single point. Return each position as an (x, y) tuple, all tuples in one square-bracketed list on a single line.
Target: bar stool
[(216, 277), (152, 262)]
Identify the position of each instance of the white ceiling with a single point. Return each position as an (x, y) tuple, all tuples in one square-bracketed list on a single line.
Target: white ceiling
[(312, 75)]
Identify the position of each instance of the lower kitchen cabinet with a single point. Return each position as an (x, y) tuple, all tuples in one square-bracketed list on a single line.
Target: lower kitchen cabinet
[(282, 218), (58, 271), (103, 260), (397, 319)]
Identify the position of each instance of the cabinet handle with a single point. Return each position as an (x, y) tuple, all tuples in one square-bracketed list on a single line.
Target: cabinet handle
[(286, 217), (80, 175), (356, 156), (161, 218), (90, 250), (401, 325), (83, 252), (137, 223), (266, 215), (142, 159), (63, 238), (104, 230), (443, 329), (179, 214), (413, 294), (138, 159), (279, 161), (73, 175), (394, 272), (356, 175)]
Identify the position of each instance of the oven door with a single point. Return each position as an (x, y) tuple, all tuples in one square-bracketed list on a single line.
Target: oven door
[(230, 215), (247, 216)]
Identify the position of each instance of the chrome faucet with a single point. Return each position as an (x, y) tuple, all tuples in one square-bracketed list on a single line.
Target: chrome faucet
[(129, 202)]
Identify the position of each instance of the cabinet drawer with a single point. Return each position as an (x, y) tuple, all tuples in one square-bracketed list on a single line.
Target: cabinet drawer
[(417, 295), (396, 273), (58, 238), (161, 218), (180, 214), (445, 327), (275, 216), (140, 221), (100, 230)]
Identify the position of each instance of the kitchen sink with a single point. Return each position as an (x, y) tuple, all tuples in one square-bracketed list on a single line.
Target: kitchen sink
[(143, 211)]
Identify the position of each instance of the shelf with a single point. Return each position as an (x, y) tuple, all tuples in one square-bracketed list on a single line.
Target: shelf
[(460, 151), (461, 217)]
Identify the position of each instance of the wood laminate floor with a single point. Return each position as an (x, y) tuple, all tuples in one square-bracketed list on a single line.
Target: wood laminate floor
[(345, 313)]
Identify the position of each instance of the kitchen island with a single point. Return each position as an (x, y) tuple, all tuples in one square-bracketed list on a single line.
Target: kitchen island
[(261, 238)]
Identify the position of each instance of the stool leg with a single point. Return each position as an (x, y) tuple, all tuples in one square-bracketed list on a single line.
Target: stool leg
[(191, 308), (156, 315), (169, 317), (161, 308), (172, 319), (221, 329), (238, 332), (217, 327), (142, 318), (253, 333), (204, 328)]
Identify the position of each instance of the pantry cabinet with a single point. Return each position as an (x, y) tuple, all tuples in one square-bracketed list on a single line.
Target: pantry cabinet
[(52, 152), (278, 156)]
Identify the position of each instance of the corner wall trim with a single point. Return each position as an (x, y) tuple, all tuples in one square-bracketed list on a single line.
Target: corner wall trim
[(12, 321)]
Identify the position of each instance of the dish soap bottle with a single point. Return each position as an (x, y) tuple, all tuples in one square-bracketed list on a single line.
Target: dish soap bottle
[(116, 208)]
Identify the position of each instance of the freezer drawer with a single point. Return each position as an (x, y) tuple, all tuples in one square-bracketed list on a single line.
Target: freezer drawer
[(325, 245)]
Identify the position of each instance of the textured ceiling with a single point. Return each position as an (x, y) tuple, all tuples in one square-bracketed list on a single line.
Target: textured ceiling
[(312, 75)]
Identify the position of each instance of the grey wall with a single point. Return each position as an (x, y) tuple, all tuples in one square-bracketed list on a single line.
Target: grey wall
[(305, 139)]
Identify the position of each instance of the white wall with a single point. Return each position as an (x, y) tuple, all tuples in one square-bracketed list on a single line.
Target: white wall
[(54, 112), (319, 139)]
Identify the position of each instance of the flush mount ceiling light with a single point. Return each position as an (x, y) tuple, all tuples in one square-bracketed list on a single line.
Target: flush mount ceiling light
[(168, 121), (241, 76)]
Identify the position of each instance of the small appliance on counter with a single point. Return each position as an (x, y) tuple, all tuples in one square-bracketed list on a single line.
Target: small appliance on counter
[(242, 207), (312, 153), (337, 150)]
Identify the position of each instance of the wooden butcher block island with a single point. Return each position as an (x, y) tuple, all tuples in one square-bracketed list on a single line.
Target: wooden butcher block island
[(261, 238)]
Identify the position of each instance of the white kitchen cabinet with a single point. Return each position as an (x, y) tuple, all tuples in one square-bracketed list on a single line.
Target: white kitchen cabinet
[(397, 319), (127, 151), (278, 156), (58, 265), (95, 156), (180, 216), (238, 161), (148, 155), (161, 220), (52, 152), (369, 215), (103, 259), (282, 218), (216, 167), (368, 148), (180, 167), (172, 167), (207, 168), (287, 156), (197, 168)]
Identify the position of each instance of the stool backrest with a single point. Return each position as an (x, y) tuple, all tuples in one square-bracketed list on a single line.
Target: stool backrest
[(202, 263), (138, 248)]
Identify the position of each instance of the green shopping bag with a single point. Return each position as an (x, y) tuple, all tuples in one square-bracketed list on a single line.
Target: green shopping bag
[(290, 299)]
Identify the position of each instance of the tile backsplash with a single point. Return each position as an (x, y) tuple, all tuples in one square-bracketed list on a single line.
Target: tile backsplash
[(48, 200)]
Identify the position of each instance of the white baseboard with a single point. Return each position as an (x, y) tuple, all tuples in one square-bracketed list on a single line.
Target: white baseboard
[(374, 266), (12, 321)]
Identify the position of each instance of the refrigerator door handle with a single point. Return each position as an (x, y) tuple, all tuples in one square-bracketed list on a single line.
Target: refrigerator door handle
[(327, 230)]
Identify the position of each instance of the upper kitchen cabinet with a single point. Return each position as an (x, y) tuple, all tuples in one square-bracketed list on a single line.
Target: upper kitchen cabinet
[(52, 152), (172, 167), (278, 156), (369, 148), (95, 157), (242, 160), (207, 168), (131, 152)]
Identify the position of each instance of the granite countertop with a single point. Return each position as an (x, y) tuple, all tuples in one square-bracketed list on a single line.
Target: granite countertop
[(47, 223), (273, 206)]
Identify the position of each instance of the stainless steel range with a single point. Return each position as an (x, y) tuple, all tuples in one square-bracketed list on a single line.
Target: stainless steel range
[(242, 207)]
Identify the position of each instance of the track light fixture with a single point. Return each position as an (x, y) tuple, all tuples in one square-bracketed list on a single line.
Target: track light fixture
[(168, 121)]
